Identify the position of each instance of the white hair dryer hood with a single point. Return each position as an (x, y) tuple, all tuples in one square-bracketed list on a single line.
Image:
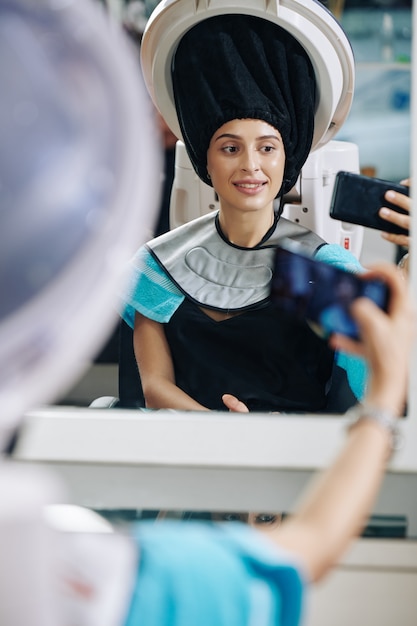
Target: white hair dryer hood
[(308, 21), (79, 181)]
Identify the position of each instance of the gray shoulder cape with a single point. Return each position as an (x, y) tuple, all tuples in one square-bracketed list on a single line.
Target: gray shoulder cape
[(217, 274)]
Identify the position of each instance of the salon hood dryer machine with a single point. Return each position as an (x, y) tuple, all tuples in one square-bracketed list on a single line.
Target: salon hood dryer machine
[(79, 172), (330, 53)]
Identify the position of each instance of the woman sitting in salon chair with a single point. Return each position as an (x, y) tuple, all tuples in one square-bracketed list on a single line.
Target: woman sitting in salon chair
[(205, 334)]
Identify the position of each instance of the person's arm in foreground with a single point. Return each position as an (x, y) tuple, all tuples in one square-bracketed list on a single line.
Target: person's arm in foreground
[(337, 504), (154, 361)]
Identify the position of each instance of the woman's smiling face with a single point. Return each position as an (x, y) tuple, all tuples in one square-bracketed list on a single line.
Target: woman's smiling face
[(246, 160)]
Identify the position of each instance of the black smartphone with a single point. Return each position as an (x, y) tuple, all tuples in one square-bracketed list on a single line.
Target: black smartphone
[(320, 293), (357, 199)]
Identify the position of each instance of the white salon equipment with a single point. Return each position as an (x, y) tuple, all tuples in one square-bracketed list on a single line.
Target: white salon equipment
[(75, 157), (70, 210)]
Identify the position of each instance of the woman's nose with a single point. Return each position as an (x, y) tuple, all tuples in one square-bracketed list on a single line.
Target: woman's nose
[(250, 161)]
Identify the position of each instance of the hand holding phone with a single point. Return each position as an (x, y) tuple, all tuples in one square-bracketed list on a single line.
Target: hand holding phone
[(320, 293), (357, 199)]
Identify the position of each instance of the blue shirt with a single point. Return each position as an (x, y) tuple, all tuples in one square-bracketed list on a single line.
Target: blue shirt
[(203, 574)]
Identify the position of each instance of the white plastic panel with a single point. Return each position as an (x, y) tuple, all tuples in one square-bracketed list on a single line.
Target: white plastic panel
[(199, 463), (76, 202)]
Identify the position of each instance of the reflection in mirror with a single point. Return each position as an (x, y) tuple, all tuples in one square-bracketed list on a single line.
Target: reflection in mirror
[(382, 92), (206, 335), (378, 525), (382, 100), (261, 520)]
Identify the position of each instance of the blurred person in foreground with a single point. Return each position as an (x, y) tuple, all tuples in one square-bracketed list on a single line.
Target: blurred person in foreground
[(230, 574)]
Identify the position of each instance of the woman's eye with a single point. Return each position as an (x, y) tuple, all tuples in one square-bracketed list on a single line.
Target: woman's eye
[(229, 149), (265, 518), (267, 148)]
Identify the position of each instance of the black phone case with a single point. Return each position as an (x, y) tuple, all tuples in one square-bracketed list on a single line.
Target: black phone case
[(357, 199), (319, 292)]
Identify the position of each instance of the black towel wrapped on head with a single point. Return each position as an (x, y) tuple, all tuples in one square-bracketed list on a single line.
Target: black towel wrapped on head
[(244, 67)]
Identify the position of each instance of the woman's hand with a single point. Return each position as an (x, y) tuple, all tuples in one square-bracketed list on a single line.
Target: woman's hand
[(386, 340), (400, 219), (339, 500), (233, 404)]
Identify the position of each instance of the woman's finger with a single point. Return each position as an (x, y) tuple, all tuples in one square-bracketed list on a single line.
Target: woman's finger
[(234, 404)]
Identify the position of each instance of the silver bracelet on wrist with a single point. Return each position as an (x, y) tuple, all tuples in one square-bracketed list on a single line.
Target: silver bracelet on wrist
[(383, 417)]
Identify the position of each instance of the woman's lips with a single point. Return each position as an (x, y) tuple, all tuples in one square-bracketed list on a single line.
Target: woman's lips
[(250, 187)]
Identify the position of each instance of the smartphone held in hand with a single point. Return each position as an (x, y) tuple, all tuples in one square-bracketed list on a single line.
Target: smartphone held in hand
[(357, 199), (321, 294)]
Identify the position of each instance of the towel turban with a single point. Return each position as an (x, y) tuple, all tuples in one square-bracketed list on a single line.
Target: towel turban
[(243, 67)]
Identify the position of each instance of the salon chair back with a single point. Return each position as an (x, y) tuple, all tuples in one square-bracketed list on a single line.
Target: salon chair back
[(130, 386)]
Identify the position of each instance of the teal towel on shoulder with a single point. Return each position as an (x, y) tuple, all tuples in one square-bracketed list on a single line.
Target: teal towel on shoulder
[(204, 574)]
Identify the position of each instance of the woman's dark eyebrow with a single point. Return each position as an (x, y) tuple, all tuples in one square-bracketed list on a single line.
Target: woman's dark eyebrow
[(227, 135), (231, 136)]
